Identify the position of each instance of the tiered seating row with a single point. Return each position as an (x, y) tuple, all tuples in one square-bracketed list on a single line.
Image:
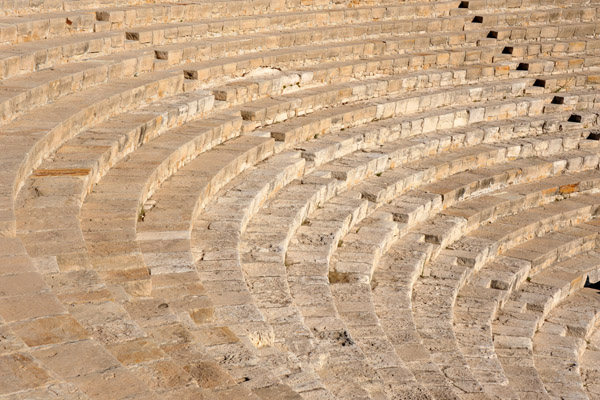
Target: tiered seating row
[(559, 344), (589, 364), (298, 199), (265, 257)]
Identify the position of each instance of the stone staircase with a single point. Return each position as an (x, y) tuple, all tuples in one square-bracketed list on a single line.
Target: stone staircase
[(283, 199)]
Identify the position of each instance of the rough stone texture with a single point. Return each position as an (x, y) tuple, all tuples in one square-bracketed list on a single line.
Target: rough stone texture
[(294, 199)]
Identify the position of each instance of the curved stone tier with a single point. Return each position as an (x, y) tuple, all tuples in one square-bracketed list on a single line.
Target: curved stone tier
[(299, 199)]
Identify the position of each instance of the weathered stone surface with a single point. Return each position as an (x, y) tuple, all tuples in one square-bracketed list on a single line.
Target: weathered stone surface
[(302, 199), (49, 330), (20, 371)]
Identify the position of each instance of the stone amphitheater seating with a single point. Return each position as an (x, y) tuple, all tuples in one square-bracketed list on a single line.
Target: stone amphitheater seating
[(283, 199)]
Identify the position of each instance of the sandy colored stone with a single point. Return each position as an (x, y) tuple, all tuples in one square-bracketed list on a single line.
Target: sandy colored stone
[(277, 392), (208, 374), (91, 357), (19, 371), (50, 330), (30, 306), (21, 284), (163, 375), (135, 351), (114, 383)]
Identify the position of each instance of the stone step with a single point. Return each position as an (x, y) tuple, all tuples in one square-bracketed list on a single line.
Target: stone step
[(344, 70), (218, 11), (18, 100), (188, 26), (434, 299), (32, 27), (68, 178), (305, 198), (286, 198), (212, 9), (24, 93), (541, 252), (152, 164), (302, 102), (379, 281), (173, 210), (392, 184), (558, 346), (67, 158), (214, 236), (104, 252), (355, 114), (28, 141), (422, 42), (475, 329), (96, 247), (476, 5), (359, 253), (588, 366), (158, 33), (14, 102), (12, 7), (467, 128), (35, 55), (307, 261), (482, 243), (108, 142), (353, 280), (274, 299), (320, 122), (514, 332), (195, 51), (298, 199), (67, 163), (51, 332)]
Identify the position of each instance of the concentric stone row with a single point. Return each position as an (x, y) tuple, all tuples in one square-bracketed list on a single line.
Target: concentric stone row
[(299, 200)]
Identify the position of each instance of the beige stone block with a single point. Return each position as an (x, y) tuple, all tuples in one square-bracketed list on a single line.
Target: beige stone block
[(165, 375), (106, 322), (90, 357), (43, 331), (278, 391), (30, 306), (215, 336), (10, 343), (21, 284), (19, 371), (136, 351), (209, 374), (115, 383)]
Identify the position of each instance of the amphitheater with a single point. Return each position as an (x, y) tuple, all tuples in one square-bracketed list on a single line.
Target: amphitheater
[(300, 199)]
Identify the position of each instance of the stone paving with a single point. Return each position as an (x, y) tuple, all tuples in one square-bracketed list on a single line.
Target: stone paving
[(299, 199)]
